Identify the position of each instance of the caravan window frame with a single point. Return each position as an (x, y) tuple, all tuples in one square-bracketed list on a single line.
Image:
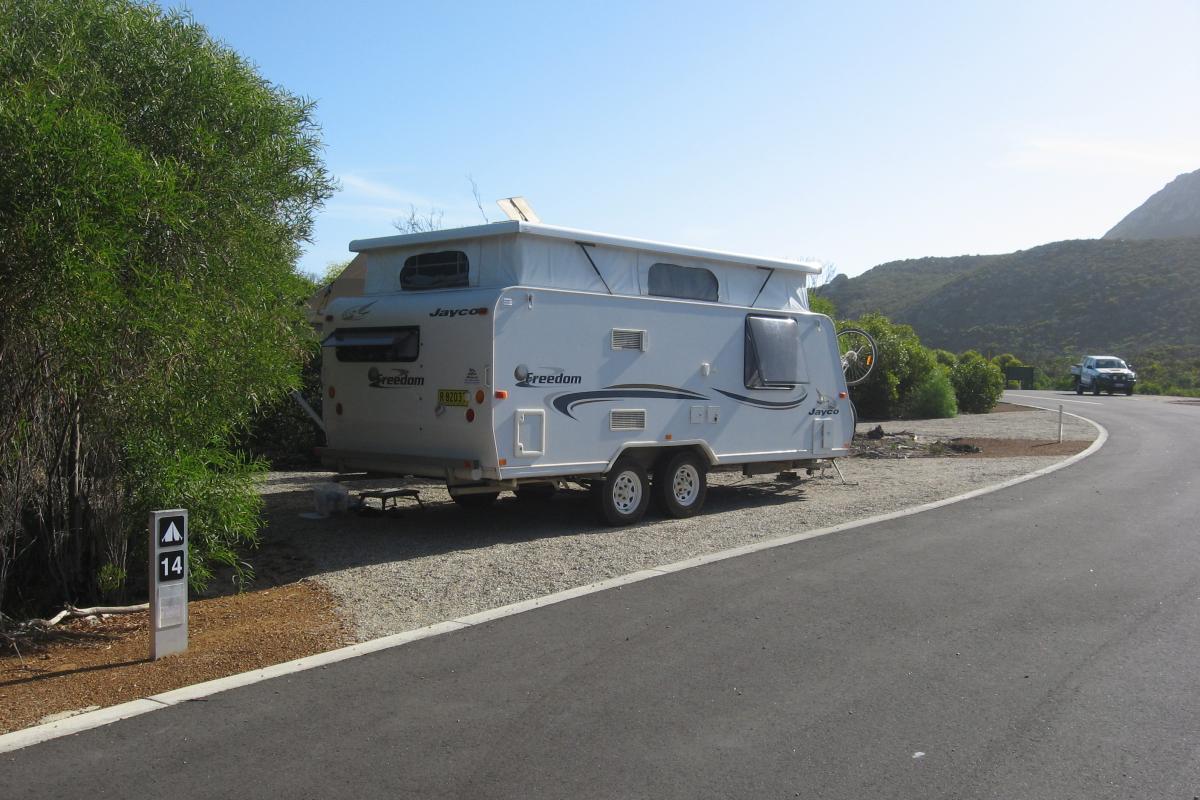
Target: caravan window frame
[(400, 344), (773, 361), (460, 279), (673, 272)]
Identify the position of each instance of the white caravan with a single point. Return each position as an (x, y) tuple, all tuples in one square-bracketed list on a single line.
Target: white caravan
[(514, 356)]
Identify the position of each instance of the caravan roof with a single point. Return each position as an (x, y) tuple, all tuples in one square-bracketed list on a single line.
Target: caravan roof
[(589, 237)]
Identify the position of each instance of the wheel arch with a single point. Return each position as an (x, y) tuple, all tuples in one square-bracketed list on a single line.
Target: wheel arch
[(649, 454)]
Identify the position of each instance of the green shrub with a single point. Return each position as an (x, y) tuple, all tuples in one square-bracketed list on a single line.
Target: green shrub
[(978, 383), (1006, 360), (933, 397), (217, 488), (903, 364)]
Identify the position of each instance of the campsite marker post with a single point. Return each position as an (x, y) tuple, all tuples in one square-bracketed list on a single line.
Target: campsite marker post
[(168, 582)]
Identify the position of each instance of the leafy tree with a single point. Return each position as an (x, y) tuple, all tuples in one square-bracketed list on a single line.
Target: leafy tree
[(903, 364), (155, 190), (822, 305), (333, 271), (978, 383)]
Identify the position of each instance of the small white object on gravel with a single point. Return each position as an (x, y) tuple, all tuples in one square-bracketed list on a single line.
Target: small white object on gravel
[(394, 572)]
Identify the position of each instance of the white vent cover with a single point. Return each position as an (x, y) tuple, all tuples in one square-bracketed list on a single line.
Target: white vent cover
[(628, 339), (627, 420)]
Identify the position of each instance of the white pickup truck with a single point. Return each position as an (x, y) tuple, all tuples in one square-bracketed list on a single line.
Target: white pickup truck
[(1103, 374)]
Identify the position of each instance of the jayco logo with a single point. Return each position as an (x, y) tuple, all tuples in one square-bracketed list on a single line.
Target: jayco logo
[(378, 380), (826, 406), (459, 312), (552, 376), (358, 312)]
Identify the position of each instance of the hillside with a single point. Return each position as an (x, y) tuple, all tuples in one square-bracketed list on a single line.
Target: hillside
[(1171, 212), (1123, 296)]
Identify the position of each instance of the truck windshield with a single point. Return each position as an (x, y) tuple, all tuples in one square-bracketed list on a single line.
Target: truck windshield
[(1109, 363)]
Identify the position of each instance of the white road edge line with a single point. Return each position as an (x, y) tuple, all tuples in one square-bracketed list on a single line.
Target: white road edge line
[(1057, 400), (95, 719)]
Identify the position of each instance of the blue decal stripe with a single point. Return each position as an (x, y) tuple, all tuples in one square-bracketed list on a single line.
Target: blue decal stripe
[(565, 403), (768, 404)]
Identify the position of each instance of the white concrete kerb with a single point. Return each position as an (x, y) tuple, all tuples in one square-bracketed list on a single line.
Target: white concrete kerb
[(94, 719)]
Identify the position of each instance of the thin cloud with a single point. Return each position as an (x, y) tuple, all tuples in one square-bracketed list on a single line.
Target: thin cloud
[(1100, 155), (360, 188)]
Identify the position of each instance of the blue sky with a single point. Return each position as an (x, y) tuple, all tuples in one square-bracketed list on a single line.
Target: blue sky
[(855, 133)]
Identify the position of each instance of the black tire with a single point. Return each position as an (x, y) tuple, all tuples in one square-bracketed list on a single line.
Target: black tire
[(1095, 389), (475, 500), (859, 354), (681, 484), (1078, 387), (1129, 392), (536, 492), (622, 496)]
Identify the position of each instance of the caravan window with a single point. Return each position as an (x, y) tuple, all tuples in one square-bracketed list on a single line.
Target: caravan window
[(689, 283), (375, 344), (774, 358), (444, 270)]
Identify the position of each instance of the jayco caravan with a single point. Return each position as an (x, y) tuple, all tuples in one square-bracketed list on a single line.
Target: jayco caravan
[(514, 356)]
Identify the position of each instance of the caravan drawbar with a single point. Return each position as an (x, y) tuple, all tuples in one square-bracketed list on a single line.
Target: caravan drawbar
[(515, 356)]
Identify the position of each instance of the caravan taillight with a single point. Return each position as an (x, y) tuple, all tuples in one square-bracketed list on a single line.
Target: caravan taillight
[(479, 395), (501, 394), (332, 392), (470, 415)]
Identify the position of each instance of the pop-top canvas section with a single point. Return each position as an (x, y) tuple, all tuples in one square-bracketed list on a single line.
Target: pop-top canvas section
[(506, 254)]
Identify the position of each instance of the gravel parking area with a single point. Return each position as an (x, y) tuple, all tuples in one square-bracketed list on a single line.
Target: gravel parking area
[(415, 566)]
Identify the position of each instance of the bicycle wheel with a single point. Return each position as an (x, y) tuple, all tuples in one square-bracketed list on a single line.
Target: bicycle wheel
[(859, 354)]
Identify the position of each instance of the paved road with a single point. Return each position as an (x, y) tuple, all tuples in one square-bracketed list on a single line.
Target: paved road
[(1040, 642)]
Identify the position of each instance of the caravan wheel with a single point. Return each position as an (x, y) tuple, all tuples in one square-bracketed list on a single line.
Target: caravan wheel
[(624, 493), (681, 484)]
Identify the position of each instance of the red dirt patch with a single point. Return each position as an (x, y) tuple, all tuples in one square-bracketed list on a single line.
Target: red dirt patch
[(105, 662)]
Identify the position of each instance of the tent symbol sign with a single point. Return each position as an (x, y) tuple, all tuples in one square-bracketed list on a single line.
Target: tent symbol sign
[(170, 531)]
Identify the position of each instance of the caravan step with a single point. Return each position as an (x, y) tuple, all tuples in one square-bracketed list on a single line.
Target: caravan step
[(384, 495)]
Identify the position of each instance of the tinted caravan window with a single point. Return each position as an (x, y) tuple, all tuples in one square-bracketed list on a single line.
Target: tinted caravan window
[(688, 283), (774, 359), (375, 344), (444, 270)]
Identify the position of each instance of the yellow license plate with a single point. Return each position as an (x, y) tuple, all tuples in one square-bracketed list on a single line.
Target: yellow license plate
[(452, 397)]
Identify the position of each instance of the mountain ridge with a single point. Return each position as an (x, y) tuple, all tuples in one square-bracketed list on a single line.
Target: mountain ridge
[(1063, 297), (1170, 213), (1136, 289)]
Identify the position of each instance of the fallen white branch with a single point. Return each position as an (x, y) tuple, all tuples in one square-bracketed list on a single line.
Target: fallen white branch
[(94, 610), (77, 613)]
